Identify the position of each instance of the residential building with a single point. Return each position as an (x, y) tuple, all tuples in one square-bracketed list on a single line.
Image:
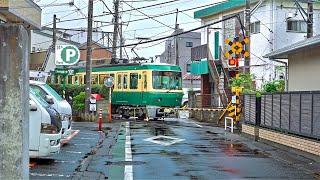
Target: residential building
[(185, 42), (303, 64), (41, 40), (100, 54), (274, 25)]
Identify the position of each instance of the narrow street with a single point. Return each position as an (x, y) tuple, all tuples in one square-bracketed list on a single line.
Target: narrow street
[(170, 149)]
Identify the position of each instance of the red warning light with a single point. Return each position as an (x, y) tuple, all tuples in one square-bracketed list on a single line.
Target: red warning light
[(232, 62)]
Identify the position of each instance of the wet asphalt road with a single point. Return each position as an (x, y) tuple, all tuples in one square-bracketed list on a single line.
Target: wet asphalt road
[(63, 165), (193, 151), (205, 153)]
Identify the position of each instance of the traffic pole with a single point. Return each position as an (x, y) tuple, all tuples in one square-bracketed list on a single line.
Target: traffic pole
[(100, 120), (110, 106)]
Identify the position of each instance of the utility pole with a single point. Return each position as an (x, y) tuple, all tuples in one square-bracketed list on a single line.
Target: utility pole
[(54, 33), (89, 53), (310, 19), (14, 102), (176, 39), (121, 40), (247, 28), (54, 43), (115, 31)]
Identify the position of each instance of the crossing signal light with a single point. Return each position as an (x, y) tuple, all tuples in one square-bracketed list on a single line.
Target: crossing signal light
[(232, 62)]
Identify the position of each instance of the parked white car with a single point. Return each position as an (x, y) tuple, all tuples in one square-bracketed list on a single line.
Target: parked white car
[(44, 128), (57, 102)]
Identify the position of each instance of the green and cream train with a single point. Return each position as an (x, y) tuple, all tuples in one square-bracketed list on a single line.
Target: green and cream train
[(150, 88)]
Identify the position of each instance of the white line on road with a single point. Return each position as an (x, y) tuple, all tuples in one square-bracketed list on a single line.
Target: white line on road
[(49, 175), (74, 152), (190, 122), (128, 170)]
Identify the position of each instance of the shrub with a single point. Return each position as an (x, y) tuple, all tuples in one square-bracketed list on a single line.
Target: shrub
[(79, 102), (74, 90)]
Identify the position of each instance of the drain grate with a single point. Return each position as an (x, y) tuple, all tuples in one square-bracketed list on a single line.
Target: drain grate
[(164, 140)]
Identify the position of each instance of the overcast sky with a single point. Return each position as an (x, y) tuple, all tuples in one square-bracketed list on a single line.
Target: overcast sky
[(145, 28)]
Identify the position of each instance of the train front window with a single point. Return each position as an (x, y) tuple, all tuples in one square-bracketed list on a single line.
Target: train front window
[(166, 80)]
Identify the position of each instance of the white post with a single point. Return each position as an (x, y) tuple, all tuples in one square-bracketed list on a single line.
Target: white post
[(231, 125), (225, 123)]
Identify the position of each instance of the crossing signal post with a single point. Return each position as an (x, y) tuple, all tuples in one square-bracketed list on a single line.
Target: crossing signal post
[(236, 52)]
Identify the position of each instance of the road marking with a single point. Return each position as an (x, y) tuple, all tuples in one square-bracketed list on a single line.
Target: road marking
[(65, 141), (74, 152), (93, 134), (128, 170), (190, 122), (49, 175), (88, 138), (159, 140), (61, 161)]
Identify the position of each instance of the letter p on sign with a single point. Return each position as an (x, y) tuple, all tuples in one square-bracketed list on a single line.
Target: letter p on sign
[(66, 55)]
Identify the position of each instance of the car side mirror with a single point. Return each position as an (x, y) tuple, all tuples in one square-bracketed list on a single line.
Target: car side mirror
[(33, 106), (49, 99)]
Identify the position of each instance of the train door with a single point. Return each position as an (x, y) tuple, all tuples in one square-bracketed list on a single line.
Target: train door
[(118, 93), (144, 82)]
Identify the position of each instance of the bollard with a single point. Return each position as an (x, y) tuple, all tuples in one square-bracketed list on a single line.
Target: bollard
[(100, 120)]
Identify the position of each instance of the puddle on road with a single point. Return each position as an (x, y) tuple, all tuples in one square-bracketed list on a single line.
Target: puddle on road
[(124, 163), (210, 132), (169, 153), (237, 149), (227, 169)]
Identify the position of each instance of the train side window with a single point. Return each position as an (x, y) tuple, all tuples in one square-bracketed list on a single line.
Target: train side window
[(69, 79), (133, 80), (102, 78), (119, 81), (125, 81), (145, 83)]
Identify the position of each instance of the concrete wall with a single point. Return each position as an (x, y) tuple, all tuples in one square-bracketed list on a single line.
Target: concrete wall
[(299, 143), (304, 70)]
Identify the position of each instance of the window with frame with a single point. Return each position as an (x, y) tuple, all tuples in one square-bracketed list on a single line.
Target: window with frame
[(102, 78), (119, 81), (125, 81), (133, 80), (255, 27), (189, 44), (145, 83), (296, 26)]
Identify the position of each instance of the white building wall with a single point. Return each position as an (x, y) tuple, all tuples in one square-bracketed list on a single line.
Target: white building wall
[(273, 34), (304, 65), (42, 42)]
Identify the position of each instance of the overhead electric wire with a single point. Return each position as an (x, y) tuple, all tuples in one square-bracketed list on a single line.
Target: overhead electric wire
[(148, 16), (106, 6), (159, 15), (178, 34)]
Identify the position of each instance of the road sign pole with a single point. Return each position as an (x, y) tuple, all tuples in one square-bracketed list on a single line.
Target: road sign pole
[(110, 105)]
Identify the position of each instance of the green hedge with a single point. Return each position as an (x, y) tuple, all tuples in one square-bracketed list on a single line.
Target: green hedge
[(74, 90)]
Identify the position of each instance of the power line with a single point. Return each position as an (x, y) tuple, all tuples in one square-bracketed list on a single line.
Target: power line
[(159, 15), (178, 34), (143, 7), (148, 16)]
